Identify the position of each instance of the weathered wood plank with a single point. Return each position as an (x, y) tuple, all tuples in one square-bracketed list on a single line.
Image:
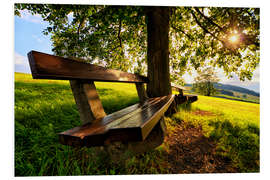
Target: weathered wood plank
[(131, 124), (45, 66), (87, 100)]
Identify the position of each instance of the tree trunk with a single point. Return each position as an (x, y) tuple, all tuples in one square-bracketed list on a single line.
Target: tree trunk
[(157, 20), (208, 88)]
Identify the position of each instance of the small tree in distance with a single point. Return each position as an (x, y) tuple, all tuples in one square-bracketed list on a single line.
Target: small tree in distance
[(204, 82)]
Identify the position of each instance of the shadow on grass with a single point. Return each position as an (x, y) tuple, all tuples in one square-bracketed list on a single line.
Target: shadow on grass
[(192, 152), (177, 118), (237, 143), (184, 106)]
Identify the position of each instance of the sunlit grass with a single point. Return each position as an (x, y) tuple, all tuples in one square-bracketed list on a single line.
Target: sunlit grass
[(44, 108), (241, 110), (234, 125)]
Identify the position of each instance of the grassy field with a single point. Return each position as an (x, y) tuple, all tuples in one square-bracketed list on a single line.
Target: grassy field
[(249, 98), (232, 124), (44, 108)]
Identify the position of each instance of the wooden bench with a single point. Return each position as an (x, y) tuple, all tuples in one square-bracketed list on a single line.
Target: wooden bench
[(178, 88), (181, 98), (133, 123)]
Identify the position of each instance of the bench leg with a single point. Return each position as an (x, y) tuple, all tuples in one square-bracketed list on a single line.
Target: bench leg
[(181, 92), (87, 100)]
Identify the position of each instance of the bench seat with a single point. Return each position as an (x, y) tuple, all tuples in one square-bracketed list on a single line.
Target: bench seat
[(133, 123)]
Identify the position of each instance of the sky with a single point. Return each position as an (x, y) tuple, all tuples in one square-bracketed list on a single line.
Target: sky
[(29, 36)]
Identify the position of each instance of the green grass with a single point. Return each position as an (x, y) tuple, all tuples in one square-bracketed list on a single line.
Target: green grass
[(249, 98), (234, 125), (44, 108)]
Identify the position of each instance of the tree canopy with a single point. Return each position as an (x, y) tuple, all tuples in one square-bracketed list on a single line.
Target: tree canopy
[(116, 36)]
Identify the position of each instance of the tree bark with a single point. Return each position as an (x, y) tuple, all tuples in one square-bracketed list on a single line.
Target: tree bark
[(157, 19), (208, 88)]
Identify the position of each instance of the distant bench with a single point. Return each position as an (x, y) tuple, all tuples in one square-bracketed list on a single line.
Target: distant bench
[(133, 123), (181, 97)]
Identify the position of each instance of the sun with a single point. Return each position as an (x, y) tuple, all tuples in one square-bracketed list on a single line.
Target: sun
[(234, 38)]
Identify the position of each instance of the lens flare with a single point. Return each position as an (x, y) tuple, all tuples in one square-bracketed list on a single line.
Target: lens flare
[(234, 38)]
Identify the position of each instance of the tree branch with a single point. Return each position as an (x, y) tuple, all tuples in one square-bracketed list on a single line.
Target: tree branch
[(119, 31), (208, 19), (204, 28), (78, 30), (180, 30)]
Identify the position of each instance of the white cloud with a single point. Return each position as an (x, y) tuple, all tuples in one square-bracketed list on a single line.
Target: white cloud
[(21, 63), (27, 16), (256, 75), (20, 60), (38, 39)]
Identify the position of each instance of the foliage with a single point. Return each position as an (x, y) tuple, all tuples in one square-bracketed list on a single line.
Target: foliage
[(204, 82), (116, 36), (200, 37), (113, 36)]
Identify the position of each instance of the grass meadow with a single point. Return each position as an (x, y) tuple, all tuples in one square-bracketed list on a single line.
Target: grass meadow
[(234, 125), (44, 108)]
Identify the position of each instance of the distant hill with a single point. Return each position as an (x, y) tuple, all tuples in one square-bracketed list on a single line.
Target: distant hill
[(226, 89), (235, 92), (236, 89)]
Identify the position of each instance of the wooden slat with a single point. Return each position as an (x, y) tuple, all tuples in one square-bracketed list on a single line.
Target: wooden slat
[(130, 124), (45, 66)]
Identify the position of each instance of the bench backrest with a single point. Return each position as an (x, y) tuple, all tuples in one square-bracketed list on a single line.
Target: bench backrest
[(178, 88), (82, 76), (45, 66)]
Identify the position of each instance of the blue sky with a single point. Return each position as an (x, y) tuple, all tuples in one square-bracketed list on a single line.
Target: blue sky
[(29, 36)]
